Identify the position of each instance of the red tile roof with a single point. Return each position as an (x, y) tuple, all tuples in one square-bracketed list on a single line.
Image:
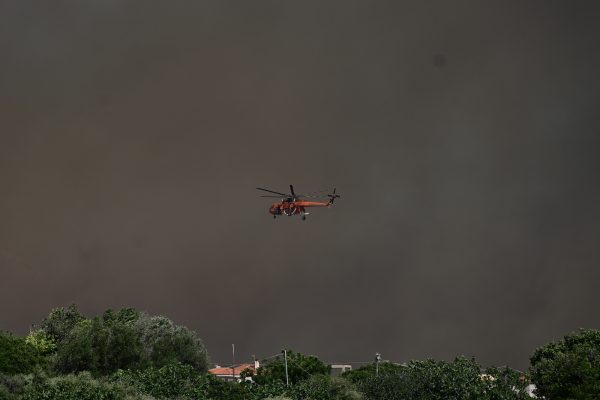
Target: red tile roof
[(228, 371)]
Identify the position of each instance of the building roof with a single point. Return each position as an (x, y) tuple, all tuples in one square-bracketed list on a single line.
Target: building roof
[(237, 370)]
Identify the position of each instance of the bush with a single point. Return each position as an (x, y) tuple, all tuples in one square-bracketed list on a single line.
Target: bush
[(13, 386), (278, 398), (322, 387), (164, 343), (441, 380), (73, 387), (261, 391), (16, 355), (300, 367), (368, 371), (125, 339), (219, 389), (168, 382), (42, 342), (60, 322)]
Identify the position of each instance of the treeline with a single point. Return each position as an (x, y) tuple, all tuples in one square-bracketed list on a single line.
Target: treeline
[(129, 355)]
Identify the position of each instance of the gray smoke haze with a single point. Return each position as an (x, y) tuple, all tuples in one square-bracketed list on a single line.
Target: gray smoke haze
[(463, 136)]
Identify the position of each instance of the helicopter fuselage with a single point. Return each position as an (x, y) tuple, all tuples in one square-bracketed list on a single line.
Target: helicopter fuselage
[(290, 208), (292, 204)]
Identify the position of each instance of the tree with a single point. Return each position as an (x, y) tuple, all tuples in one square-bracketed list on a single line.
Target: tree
[(13, 386), (262, 391), (569, 368), (101, 345), (218, 389), (16, 355), (300, 367), (441, 380), (59, 323), (369, 370), (123, 348), (121, 339), (76, 352), (73, 387), (163, 343), (42, 342), (173, 381)]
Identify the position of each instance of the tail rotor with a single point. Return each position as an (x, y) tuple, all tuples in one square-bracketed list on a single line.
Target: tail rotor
[(332, 196)]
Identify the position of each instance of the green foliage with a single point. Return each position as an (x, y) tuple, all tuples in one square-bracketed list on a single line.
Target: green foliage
[(135, 356), (123, 347), (5, 394), (278, 398), (316, 387), (369, 370), (101, 345), (219, 389), (322, 387), (60, 322), (267, 390), (125, 339), (570, 368), (73, 387), (506, 382), (76, 352), (441, 380), (300, 367), (41, 341), (16, 355), (12, 386), (164, 343), (168, 382)]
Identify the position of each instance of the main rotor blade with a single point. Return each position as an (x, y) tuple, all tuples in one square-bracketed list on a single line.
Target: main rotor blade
[(292, 191), (314, 194), (275, 197), (305, 196), (272, 191)]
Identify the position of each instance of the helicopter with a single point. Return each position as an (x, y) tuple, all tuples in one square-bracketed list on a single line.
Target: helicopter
[(292, 203)]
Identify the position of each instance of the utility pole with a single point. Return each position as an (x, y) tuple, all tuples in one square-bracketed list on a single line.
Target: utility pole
[(233, 361), (377, 359), (287, 378)]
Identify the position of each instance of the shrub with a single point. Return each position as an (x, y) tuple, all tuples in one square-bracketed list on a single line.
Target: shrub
[(322, 387), (16, 355), (300, 367), (73, 387), (569, 368), (168, 382), (441, 380)]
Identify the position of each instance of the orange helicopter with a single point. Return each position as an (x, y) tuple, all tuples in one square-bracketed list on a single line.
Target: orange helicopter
[(291, 204)]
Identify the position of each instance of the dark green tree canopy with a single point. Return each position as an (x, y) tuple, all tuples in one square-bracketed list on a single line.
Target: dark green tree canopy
[(300, 367), (124, 339), (163, 343), (130, 355), (61, 321), (101, 346), (369, 370), (442, 380), (569, 368), (16, 355), (324, 387)]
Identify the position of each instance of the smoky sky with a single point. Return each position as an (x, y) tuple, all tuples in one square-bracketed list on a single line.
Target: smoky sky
[(463, 137)]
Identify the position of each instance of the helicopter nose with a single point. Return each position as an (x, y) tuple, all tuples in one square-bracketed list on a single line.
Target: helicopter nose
[(274, 210)]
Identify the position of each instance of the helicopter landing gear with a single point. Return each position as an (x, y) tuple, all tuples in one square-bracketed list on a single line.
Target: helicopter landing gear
[(303, 217)]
